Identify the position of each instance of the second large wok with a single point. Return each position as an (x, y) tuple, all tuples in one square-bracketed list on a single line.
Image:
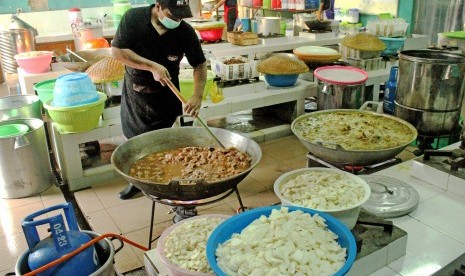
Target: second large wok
[(339, 155), (171, 138)]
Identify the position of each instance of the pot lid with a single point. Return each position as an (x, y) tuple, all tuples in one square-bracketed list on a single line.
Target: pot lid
[(390, 197), (18, 24), (343, 75), (315, 51)]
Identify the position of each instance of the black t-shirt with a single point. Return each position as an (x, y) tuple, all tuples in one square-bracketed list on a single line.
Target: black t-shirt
[(136, 33), (147, 105)]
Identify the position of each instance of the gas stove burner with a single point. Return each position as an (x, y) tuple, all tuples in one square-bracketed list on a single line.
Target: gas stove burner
[(212, 41), (273, 35), (316, 31), (182, 212), (434, 142), (229, 83), (456, 158), (313, 161)]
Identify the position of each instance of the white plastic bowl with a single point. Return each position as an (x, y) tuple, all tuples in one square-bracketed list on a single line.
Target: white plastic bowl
[(348, 215), (174, 269)]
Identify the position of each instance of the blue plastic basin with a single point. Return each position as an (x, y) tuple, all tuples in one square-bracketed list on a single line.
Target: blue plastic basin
[(281, 80), (237, 223), (74, 89)]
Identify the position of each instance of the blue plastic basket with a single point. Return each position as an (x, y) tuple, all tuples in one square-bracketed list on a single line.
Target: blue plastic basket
[(238, 222), (393, 45), (281, 80)]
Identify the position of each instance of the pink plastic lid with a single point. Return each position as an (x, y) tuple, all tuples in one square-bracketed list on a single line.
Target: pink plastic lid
[(74, 9), (344, 75)]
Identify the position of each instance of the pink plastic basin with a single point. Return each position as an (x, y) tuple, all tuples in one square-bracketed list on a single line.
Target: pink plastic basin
[(35, 62)]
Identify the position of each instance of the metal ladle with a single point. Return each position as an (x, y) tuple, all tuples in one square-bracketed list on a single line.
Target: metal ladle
[(76, 55), (181, 98)]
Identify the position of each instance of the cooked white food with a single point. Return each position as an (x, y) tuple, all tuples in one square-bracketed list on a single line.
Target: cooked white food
[(354, 130), (186, 245), (285, 243), (323, 190)]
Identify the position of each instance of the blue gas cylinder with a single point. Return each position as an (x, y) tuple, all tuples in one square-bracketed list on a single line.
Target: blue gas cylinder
[(390, 91), (61, 242)]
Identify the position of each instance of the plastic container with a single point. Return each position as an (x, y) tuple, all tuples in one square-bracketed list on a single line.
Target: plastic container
[(353, 15), (347, 215), (186, 84), (172, 267), (388, 27), (35, 62), (211, 35), (44, 90), (74, 89), (245, 70), (12, 130), (390, 91), (281, 80), (79, 118), (238, 222)]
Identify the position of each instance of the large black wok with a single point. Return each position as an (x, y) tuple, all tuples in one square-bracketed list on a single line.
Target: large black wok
[(337, 154), (171, 138)]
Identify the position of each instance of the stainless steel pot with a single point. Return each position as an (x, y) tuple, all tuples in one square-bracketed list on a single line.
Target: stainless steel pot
[(84, 33), (269, 26), (20, 106), (352, 157), (25, 161), (336, 89), (171, 138), (430, 90)]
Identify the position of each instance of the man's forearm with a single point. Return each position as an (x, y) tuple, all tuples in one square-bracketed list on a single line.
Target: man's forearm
[(200, 79), (131, 59)]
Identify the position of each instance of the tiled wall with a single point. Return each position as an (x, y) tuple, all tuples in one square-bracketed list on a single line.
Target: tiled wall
[(11, 6)]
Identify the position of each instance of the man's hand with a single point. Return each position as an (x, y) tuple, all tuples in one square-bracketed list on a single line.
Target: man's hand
[(193, 105), (160, 73)]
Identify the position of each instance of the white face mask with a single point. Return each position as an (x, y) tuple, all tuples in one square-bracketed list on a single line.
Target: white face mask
[(169, 23)]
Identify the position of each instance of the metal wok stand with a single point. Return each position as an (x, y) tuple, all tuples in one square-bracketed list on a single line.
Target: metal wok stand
[(190, 204)]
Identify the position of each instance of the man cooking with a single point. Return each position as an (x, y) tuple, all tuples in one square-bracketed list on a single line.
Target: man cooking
[(150, 42)]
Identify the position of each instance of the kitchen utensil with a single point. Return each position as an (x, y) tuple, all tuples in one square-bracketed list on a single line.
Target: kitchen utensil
[(85, 32), (430, 90), (269, 25), (281, 80), (35, 62), (347, 215), (317, 25), (19, 106), (181, 98), (73, 89), (237, 223), (186, 83), (390, 197), (177, 137), (71, 62), (174, 268), (352, 157), (76, 55), (20, 156), (12, 130), (340, 87)]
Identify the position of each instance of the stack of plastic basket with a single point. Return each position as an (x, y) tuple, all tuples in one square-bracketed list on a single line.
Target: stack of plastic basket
[(76, 106)]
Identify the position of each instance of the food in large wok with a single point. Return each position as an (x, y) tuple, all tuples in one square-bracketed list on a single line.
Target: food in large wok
[(137, 147), (207, 163), (353, 136)]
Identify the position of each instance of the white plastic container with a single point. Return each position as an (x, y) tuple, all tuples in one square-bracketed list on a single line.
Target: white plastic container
[(246, 70), (353, 16), (348, 215)]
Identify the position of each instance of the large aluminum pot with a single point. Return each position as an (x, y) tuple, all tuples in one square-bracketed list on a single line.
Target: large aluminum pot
[(105, 253), (268, 26), (430, 90), (25, 161), (337, 154), (171, 138), (20, 106), (340, 87), (84, 33)]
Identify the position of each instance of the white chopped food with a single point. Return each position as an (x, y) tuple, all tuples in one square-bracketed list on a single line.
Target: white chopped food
[(186, 74), (186, 245), (323, 190), (285, 243)]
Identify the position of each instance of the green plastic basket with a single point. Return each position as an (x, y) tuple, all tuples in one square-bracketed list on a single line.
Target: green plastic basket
[(187, 85), (80, 118), (45, 90)]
